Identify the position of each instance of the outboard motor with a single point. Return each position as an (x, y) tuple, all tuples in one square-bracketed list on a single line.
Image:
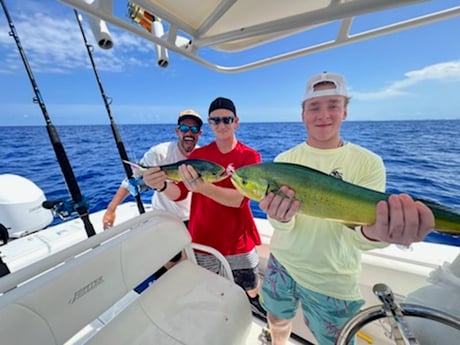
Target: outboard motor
[(21, 210)]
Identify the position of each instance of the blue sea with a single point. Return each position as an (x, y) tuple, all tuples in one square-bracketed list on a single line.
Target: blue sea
[(422, 157)]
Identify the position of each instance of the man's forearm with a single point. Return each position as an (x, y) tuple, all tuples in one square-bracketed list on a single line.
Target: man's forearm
[(118, 198), (225, 196)]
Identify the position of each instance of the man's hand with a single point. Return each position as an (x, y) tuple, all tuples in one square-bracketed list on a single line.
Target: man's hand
[(280, 206), (401, 220), (191, 178), (154, 177), (109, 219)]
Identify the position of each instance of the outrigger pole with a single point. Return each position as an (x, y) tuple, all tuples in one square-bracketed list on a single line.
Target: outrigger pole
[(78, 200), (113, 125)]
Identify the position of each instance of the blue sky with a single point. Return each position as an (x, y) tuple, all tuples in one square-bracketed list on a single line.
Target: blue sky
[(414, 74)]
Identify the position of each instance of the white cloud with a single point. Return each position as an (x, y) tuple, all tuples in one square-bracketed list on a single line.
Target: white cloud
[(442, 72), (56, 46)]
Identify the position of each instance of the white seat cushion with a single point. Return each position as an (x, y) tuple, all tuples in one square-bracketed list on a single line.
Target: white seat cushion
[(187, 305)]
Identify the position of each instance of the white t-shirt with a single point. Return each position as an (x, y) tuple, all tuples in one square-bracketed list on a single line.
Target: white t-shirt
[(161, 154)]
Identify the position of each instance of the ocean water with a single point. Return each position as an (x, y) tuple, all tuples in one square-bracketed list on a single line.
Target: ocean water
[(422, 157)]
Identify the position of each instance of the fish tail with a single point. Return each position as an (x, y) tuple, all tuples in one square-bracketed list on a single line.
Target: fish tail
[(135, 166), (229, 170)]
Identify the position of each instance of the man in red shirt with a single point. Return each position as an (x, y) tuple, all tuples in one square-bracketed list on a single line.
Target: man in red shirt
[(220, 216)]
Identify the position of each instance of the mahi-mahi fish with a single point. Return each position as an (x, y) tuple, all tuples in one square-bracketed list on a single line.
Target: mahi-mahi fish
[(327, 197), (209, 171)]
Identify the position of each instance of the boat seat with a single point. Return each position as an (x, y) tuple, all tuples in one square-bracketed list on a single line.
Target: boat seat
[(186, 305)]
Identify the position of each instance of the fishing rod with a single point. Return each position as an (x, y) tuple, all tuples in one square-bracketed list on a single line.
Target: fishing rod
[(113, 125), (79, 203)]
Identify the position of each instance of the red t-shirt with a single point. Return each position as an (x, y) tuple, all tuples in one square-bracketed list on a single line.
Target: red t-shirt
[(230, 230)]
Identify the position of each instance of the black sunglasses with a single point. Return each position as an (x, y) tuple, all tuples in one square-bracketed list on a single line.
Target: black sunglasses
[(216, 120), (185, 128)]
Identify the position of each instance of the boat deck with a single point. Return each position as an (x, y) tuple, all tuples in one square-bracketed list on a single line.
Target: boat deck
[(376, 265)]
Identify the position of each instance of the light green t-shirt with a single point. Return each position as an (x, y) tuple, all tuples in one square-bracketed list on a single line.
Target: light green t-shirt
[(325, 256)]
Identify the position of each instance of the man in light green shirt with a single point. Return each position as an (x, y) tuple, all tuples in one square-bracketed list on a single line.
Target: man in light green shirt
[(317, 262)]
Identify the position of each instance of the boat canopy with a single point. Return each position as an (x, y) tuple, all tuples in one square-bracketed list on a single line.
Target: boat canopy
[(230, 26)]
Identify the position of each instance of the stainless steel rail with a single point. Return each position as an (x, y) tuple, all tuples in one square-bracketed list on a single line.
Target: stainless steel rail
[(395, 314)]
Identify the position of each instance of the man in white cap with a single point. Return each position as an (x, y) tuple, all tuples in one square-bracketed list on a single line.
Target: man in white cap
[(188, 131), (317, 262)]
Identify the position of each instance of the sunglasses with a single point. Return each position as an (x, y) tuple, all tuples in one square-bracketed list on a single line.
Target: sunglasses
[(185, 129), (216, 120)]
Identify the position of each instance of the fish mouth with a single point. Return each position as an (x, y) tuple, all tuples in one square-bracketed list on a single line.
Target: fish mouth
[(237, 181), (222, 176)]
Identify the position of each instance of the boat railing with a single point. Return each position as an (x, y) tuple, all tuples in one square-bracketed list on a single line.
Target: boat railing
[(222, 28), (395, 313)]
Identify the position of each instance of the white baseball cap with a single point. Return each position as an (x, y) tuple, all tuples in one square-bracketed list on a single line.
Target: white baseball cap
[(337, 79), (190, 114)]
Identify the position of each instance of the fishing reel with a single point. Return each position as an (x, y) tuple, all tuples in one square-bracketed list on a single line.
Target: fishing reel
[(64, 208), (395, 314), (135, 185)]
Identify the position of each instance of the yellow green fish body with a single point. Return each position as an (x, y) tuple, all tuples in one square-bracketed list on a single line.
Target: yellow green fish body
[(326, 197), (209, 171)]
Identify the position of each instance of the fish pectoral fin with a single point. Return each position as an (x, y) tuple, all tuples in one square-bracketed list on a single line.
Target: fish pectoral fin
[(276, 191), (223, 176), (270, 189), (351, 226)]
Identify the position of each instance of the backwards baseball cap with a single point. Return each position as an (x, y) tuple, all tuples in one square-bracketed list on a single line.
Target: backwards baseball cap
[(190, 114), (336, 79), (222, 103)]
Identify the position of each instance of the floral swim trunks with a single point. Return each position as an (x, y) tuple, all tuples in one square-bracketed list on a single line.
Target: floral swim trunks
[(323, 315)]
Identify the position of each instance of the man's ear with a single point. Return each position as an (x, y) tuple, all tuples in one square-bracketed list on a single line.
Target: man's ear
[(237, 122)]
